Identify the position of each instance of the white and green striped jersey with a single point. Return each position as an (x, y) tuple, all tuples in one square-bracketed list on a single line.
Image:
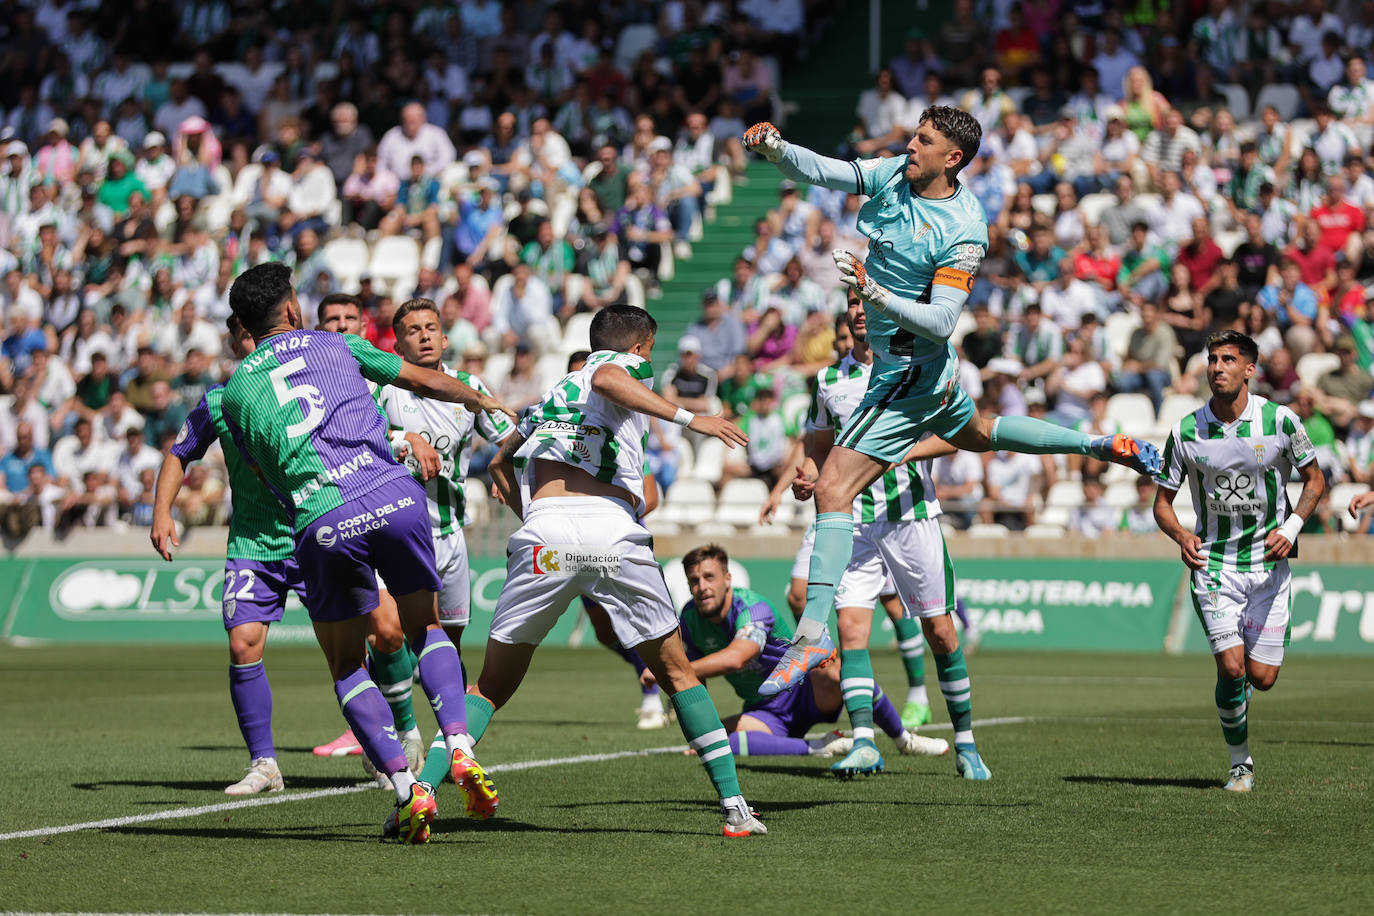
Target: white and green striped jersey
[(1237, 474), (906, 492), (575, 425), (450, 429)]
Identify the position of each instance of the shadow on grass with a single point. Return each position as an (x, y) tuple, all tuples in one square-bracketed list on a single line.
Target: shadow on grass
[(1330, 743), (202, 785), (454, 829), (1146, 781)]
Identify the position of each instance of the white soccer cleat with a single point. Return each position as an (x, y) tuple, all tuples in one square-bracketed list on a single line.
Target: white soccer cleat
[(913, 745), (834, 744), (379, 779), (651, 717), (742, 822), (1241, 778), (415, 746), (263, 776)]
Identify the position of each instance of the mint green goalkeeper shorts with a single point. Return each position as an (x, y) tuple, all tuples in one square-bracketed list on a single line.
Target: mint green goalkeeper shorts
[(903, 402)]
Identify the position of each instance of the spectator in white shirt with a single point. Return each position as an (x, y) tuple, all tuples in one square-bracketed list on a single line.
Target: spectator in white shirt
[(1093, 519), (881, 112), (1010, 480), (1112, 63), (522, 312), (1074, 384), (414, 136), (179, 106), (1177, 210), (154, 167)]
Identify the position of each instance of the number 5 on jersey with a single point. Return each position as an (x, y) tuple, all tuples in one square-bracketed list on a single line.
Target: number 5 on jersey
[(314, 401)]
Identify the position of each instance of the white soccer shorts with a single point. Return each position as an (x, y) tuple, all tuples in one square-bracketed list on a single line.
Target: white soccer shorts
[(801, 569), (1245, 608), (455, 589), (908, 558), (582, 545)]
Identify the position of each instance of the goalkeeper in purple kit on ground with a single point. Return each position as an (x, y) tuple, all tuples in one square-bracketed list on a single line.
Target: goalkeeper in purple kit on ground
[(928, 237), (300, 412)]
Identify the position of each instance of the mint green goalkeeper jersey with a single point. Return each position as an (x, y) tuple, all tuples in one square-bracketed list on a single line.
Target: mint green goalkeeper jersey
[(1237, 475), (301, 412), (905, 492), (259, 528), (915, 243)]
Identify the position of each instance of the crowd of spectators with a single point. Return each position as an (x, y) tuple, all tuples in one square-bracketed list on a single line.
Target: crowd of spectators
[(1151, 174), (518, 162)]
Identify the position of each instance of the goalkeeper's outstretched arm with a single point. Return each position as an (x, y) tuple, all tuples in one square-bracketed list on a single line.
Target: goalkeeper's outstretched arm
[(799, 163)]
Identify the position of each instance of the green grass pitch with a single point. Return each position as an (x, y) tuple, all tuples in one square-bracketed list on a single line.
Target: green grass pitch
[(1105, 799)]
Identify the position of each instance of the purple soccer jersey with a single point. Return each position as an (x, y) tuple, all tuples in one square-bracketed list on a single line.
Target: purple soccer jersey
[(301, 411)]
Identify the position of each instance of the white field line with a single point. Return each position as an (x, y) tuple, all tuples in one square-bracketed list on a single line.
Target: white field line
[(179, 813)]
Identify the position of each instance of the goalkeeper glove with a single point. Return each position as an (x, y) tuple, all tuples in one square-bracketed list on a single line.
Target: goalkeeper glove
[(853, 274), (763, 138)]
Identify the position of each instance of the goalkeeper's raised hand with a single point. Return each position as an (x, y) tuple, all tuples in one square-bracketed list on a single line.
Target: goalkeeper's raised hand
[(853, 274), (763, 138)]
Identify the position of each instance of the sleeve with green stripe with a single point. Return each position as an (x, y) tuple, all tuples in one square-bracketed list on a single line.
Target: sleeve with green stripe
[(493, 425), (640, 369), (1171, 471), (376, 365), (1296, 442), (818, 416)]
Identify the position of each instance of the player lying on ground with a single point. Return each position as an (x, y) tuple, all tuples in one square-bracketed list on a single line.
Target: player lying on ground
[(735, 633), (579, 491), (927, 238), (897, 537), (300, 411), (1236, 453), (389, 660)]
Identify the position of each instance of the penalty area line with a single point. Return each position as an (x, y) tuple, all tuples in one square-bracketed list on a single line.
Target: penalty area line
[(283, 798)]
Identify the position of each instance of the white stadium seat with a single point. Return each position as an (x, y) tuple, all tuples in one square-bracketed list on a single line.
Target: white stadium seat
[(1284, 97), (1066, 494), (1313, 366), (347, 259), (1133, 411), (1094, 205), (395, 264)]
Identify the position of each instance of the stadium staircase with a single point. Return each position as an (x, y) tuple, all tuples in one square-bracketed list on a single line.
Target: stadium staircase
[(713, 256)]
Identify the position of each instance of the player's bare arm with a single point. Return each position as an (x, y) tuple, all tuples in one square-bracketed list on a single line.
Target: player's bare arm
[(163, 533), (1278, 544), (430, 383), (791, 468), (503, 478), (732, 658), (615, 384), (1189, 543)]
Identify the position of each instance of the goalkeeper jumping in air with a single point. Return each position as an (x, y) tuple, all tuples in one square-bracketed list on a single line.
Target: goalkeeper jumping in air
[(927, 237)]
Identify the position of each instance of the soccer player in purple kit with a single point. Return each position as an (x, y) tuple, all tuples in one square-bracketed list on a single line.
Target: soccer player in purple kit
[(300, 411), (259, 571)]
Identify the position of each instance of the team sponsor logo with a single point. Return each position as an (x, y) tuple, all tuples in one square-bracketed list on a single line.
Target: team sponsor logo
[(580, 450), (566, 561), (325, 536), (1234, 494), (967, 257), (136, 590), (959, 279), (555, 427), (183, 432), (869, 165), (1302, 445), (334, 474), (371, 519)]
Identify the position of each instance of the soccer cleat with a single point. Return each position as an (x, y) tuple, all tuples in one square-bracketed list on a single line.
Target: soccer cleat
[(742, 822), (262, 776), (970, 766), (469, 776), (800, 657), (1141, 457), (409, 823), (1241, 778), (343, 746), (914, 715), (415, 747), (651, 717), (914, 745), (862, 760), (831, 745)]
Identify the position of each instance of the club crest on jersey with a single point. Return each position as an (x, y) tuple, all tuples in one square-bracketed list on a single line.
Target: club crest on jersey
[(545, 560), (1259, 453), (925, 230)]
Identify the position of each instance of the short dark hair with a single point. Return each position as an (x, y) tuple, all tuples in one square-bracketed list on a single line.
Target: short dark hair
[(338, 299), (1229, 338), (577, 358), (258, 294), (959, 127), (697, 555), (418, 304), (234, 325), (620, 327)]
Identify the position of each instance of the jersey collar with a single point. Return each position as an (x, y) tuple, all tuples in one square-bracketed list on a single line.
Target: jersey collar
[(1246, 415)]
